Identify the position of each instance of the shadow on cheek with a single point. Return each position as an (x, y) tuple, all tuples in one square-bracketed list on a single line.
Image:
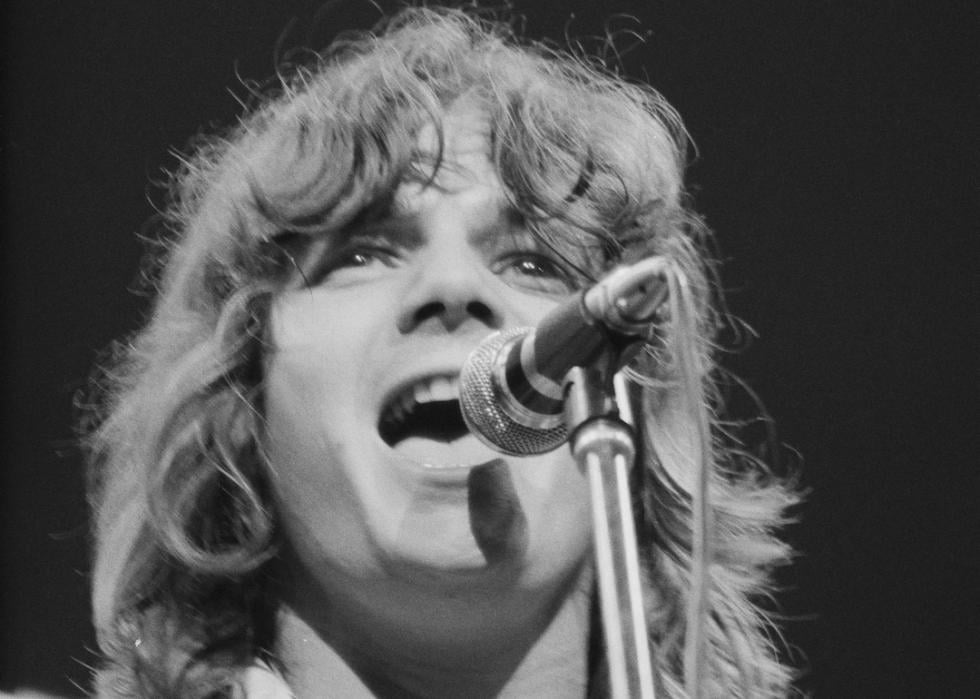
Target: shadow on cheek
[(496, 518)]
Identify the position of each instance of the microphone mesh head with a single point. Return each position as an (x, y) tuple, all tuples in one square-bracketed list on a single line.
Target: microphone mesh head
[(481, 402)]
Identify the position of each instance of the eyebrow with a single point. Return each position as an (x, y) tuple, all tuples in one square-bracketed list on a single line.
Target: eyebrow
[(378, 221), (402, 230), (400, 225), (508, 221)]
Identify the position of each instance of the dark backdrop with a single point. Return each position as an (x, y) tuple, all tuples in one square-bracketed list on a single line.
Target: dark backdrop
[(835, 142)]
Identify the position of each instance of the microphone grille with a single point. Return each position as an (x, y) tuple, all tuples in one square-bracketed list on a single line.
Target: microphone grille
[(482, 403)]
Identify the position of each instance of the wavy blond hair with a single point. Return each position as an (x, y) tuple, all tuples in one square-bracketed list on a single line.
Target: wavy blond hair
[(184, 527)]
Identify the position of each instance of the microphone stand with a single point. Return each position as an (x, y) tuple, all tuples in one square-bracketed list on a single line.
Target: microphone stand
[(603, 444)]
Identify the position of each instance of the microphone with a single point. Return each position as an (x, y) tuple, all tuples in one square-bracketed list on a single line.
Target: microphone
[(511, 391)]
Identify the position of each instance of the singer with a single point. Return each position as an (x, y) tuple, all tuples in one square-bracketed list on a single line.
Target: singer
[(287, 500)]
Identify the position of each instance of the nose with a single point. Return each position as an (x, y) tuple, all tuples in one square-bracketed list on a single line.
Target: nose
[(450, 291)]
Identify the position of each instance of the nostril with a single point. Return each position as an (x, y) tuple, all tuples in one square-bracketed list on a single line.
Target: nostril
[(433, 309), (481, 312), (450, 315)]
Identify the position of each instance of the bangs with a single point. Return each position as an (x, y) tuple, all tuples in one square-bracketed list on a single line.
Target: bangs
[(590, 163)]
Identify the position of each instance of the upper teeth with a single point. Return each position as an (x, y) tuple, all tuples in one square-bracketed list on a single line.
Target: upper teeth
[(435, 388)]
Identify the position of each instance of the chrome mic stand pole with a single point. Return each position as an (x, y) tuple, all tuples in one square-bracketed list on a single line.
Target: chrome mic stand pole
[(602, 443)]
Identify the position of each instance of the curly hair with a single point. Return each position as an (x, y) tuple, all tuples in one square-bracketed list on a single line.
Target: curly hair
[(185, 531)]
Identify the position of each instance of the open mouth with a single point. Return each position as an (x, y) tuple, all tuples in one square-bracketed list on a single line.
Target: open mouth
[(427, 409)]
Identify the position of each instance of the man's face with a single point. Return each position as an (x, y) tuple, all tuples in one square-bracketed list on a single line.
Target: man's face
[(374, 476)]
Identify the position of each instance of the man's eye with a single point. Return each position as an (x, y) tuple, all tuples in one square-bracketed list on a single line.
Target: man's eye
[(356, 264), (360, 258), (536, 273), (536, 268)]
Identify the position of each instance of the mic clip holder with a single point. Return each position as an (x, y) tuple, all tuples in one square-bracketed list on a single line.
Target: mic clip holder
[(599, 420)]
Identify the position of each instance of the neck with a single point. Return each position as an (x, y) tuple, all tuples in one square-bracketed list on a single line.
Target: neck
[(520, 647)]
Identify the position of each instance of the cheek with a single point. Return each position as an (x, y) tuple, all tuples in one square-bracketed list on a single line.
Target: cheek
[(529, 308), (298, 418), (304, 389), (317, 501), (305, 330), (316, 425), (299, 448), (318, 360)]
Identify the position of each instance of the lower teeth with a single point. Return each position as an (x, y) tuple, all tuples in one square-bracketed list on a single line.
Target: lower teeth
[(433, 465)]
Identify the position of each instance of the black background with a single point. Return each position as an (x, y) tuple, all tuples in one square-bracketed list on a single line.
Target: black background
[(836, 143)]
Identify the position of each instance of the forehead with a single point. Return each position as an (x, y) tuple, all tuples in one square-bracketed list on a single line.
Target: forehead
[(464, 137), (459, 145), (465, 131)]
